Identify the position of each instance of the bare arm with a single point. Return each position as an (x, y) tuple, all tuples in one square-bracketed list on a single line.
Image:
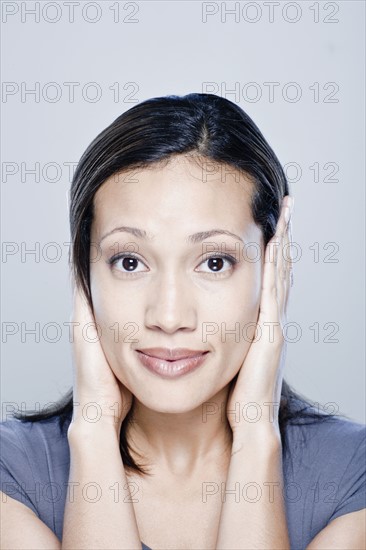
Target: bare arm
[(99, 512), (254, 515), (21, 529), (96, 517)]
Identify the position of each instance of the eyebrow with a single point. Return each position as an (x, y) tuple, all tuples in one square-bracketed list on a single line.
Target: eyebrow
[(192, 239)]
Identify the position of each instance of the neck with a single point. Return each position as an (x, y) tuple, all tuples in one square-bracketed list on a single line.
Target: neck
[(182, 444)]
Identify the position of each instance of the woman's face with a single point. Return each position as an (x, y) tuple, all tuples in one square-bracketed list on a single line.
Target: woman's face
[(173, 295)]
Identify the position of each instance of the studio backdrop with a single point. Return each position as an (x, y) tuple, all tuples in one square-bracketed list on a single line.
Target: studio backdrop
[(297, 68)]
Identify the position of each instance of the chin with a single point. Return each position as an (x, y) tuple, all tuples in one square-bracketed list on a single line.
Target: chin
[(170, 403)]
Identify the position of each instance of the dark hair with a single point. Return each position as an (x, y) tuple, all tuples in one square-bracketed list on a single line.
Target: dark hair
[(203, 126)]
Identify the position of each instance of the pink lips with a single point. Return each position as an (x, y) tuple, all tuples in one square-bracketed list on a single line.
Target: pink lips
[(171, 363), (171, 354)]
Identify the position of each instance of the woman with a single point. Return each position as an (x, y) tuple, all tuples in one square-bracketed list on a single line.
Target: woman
[(180, 226)]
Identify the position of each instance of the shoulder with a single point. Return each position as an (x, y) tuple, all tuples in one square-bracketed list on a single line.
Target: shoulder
[(326, 468), (34, 460), (31, 438), (34, 469), (337, 438)]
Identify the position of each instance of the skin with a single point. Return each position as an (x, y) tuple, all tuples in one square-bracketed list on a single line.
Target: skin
[(256, 448), (173, 293)]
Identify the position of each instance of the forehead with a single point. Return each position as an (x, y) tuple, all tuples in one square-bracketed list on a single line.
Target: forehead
[(177, 191)]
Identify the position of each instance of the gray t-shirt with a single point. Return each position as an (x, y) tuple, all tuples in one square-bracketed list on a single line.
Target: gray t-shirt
[(324, 474)]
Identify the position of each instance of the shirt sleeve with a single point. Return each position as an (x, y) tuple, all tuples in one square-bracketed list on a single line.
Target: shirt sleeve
[(16, 477), (353, 483)]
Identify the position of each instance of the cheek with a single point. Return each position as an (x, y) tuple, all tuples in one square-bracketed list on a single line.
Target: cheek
[(247, 305), (106, 301), (111, 296), (241, 300), (236, 317), (116, 330), (117, 316)]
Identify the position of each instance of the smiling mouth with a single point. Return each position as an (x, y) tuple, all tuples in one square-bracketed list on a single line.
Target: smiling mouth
[(171, 368), (172, 354)]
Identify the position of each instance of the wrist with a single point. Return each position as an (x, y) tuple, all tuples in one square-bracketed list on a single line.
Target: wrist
[(81, 431), (263, 436)]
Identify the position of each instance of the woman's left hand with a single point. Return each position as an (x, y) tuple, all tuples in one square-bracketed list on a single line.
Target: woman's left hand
[(257, 390)]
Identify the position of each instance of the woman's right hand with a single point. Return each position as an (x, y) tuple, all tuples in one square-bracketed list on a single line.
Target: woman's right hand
[(100, 399)]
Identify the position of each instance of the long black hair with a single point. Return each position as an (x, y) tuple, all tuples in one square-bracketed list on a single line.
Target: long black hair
[(203, 126)]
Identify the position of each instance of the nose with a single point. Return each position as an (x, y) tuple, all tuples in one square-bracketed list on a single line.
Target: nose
[(171, 305)]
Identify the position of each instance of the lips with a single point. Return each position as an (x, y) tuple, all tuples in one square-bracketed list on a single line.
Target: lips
[(171, 364), (172, 354)]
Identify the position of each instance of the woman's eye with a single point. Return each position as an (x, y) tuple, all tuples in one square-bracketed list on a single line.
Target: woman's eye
[(217, 263), (127, 263)]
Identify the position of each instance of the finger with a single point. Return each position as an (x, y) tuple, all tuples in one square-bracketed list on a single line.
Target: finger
[(72, 280), (81, 306), (281, 230), (292, 263), (288, 253), (284, 260), (87, 349), (286, 272), (289, 260), (268, 303)]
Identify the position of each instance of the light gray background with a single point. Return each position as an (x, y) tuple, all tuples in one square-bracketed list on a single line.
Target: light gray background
[(170, 50)]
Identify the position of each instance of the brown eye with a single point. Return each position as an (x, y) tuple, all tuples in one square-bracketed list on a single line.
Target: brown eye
[(217, 263), (129, 262)]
